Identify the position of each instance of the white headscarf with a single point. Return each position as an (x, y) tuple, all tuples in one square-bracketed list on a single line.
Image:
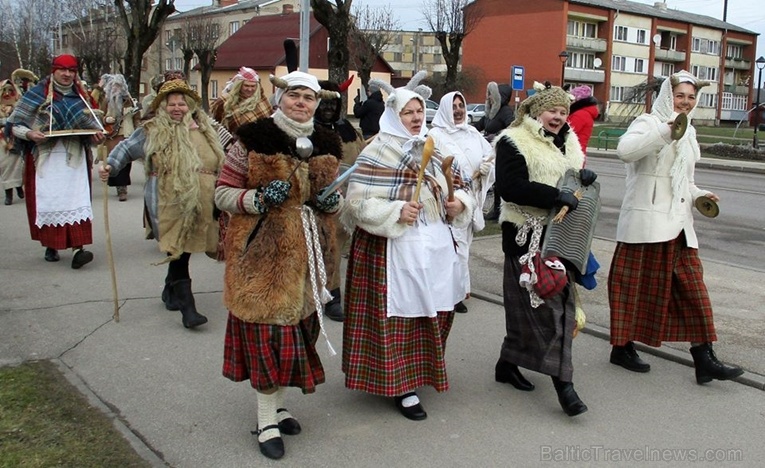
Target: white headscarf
[(444, 118), (390, 121)]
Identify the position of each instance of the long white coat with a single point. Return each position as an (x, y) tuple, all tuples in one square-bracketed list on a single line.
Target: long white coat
[(658, 204)]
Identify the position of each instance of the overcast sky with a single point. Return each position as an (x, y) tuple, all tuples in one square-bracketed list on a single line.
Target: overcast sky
[(748, 14)]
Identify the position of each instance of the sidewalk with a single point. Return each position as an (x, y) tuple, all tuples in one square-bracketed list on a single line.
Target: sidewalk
[(164, 387)]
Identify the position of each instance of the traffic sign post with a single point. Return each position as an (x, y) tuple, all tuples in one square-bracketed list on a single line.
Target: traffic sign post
[(516, 78)]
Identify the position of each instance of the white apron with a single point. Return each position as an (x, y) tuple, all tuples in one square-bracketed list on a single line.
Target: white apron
[(62, 193)]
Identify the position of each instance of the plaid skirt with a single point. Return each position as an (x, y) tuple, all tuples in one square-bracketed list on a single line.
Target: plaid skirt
[(273, 356), (537, 339), (58, 237), (657, 293), (387, 356)]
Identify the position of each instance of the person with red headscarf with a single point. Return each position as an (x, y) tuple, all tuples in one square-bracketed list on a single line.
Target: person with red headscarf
[(56, 119)]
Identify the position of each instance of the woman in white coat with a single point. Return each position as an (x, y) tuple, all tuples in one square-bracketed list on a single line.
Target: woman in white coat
[(656, 287), (453, 136)]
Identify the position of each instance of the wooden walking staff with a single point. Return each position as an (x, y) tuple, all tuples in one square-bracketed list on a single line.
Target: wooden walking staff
[(109, 252)]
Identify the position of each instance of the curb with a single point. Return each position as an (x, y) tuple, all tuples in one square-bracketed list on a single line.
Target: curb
[(749, 379), (136, 442)]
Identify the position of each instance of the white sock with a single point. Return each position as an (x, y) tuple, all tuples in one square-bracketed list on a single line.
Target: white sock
[(267, 416), (281, 415), (410, 401)]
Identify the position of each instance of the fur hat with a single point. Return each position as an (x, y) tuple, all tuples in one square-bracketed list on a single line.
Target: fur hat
[(398, 97), (546, 97), (172, 87), (581, 92), (299, 79)]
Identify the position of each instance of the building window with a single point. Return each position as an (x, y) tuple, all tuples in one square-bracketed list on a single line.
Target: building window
[(141, 88), (582, 29), (696, 45), (642, 36), (580, 60), (714, 48), (639, 66), (673, 42), (213, 89), (667, 69), (704, 73), (734, 52), (734, 102), (178, 63), (617, 93), (620, 33), (168, 64), (708, 100), (618, 63), (233, 27), (705, 46)]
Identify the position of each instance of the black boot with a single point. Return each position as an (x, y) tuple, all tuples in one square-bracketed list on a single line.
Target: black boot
[(567, 397), (182, 291), (8, 196), (627, 357), (334, 308), (505, 372), (168, 297), (708, 367), (20, 192)]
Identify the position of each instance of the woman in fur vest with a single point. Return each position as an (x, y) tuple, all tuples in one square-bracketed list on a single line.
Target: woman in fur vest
[(279, 247), (532, 156), (182, 156), (403, 275)]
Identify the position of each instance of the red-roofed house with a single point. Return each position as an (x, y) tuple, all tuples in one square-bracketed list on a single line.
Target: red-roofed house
[(259, 44)]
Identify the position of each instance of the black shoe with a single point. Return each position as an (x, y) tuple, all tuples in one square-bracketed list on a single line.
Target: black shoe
[(272, 448), (188, 307), (20, 192), (81, 258), (168, 297), (505, 372), (290, 425), (415, 413), (627, 357), (334, 308), (51, 255), (460, 308), (567, 397), (709, 368), (8, 196)]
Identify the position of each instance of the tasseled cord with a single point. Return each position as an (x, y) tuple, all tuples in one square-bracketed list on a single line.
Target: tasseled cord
[(316, 260)]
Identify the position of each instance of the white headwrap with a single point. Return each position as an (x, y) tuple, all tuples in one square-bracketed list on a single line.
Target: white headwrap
[(245, 74), (444, 118), (390, 121), (297, 78)]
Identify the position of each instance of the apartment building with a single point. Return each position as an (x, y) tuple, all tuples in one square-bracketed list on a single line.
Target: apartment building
[(621, 49), (411, 51)]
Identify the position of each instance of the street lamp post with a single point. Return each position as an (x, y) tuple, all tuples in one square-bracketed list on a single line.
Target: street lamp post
[(563, 56), (760, 62)]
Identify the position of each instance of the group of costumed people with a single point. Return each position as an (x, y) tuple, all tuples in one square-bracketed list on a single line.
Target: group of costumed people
[(409, 209)]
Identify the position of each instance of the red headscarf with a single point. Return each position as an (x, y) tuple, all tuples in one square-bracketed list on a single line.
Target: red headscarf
[(65, 61)]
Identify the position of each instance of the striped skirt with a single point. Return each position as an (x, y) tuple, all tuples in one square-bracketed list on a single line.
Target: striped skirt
[(382, 355), (273, 356), (537, 339), (657, 293)]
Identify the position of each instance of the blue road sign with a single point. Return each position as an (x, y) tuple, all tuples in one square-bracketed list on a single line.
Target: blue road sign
[(516, 78)]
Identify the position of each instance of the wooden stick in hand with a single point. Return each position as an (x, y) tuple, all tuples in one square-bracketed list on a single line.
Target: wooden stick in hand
[(427, 153)]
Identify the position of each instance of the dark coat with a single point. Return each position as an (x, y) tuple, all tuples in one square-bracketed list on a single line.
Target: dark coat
[(505, 116), (369, 113)]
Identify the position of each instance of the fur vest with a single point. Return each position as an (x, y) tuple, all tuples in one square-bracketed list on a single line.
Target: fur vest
[(267, 272), (545, 162)]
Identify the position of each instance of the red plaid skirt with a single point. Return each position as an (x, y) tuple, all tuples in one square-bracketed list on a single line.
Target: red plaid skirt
[(657, 293), (382, 355), (55, 237), (272, 356)]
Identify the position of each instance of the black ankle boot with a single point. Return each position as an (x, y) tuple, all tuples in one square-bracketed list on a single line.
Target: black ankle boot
[(334, 308), (505, 372), (20, 192), (182, 291), (8, 196), (708, 367), (168, 297), (627, 357), (570, 402)]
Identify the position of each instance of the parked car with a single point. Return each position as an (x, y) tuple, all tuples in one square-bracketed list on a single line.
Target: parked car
[(475, 112), (431, 107)]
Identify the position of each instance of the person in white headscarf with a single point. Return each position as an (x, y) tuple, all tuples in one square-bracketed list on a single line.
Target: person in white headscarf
[(455, 137), (403, 275), (656, 287)]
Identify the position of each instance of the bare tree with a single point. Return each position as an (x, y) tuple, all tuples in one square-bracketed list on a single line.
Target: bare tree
[(29, 27), (452, 21), (336, 17), (95, 36), (200, 36), (372, 32), (142, 21)]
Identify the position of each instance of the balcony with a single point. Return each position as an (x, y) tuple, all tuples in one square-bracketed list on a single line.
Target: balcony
[(581, 74), (586, 43), (733, 89), (667, 55), (737, 63)]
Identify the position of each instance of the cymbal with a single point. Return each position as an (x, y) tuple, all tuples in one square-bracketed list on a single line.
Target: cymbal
[(707, 207), (679, 126)]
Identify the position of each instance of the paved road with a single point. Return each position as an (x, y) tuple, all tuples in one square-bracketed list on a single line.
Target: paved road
[(163, 386)]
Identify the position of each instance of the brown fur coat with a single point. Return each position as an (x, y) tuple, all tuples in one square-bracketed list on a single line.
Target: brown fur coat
[(267, 275)]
